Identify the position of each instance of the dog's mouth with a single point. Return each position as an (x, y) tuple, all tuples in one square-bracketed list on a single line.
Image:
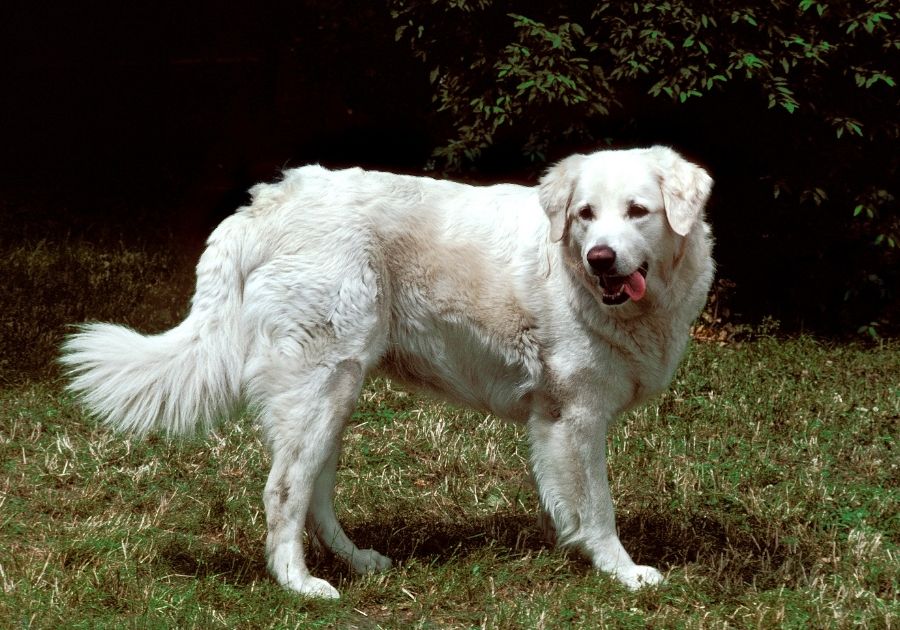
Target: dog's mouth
[(619, 289)]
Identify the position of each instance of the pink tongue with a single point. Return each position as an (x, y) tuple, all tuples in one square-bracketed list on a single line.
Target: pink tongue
[(635, 286)]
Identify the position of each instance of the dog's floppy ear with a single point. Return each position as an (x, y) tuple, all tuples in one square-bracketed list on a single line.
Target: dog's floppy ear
[(555, 193), (685, 189)]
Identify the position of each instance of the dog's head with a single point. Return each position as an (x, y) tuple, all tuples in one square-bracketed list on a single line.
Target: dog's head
[(621, 214)]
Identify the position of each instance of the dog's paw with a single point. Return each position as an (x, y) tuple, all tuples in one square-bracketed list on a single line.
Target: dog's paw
[(310, 586), (638, 576), (366, 561)]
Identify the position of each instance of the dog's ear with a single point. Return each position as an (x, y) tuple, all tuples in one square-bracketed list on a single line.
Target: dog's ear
[(555, 193), (685, 189)]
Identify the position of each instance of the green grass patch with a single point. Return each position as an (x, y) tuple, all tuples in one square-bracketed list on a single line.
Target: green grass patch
[(765, 483)]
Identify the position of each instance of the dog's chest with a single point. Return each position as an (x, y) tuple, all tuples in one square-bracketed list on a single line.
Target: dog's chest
[(651, 358)]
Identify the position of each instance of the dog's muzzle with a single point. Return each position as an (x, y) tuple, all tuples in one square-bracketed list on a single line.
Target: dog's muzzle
[(617, 289)]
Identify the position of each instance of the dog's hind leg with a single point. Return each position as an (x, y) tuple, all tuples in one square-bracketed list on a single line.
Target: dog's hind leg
[(304, 426), (321, 322), (323, 524)]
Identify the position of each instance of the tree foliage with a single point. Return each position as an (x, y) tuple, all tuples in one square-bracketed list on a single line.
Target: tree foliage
[(802, 93)]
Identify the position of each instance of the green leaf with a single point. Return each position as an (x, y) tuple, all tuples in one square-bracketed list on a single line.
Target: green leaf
[(878, 76), (524, 85), (751, 61), (569, 83)]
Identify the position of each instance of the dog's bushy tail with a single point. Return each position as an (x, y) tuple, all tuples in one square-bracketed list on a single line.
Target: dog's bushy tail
[(185, 378)]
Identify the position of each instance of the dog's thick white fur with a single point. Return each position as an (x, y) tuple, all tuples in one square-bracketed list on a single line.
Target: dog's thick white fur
[(558, 306)]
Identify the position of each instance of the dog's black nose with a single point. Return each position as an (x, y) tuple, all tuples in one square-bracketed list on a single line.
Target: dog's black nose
[(601, 259)]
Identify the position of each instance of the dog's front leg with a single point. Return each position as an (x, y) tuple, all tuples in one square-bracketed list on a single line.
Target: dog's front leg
[(568, 457)]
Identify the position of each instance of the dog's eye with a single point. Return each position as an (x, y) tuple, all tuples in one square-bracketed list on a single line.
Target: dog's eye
[(586, 212), (636, 211)]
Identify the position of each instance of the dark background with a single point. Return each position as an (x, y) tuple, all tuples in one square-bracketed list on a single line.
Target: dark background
[(152, 121), (192, 103)]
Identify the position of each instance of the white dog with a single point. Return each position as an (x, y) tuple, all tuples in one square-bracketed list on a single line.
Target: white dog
[(558, 306)]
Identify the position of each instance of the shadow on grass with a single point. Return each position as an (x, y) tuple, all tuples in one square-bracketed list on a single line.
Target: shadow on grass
[(401, 539), (733, 550), (730, 555), (239, 568)]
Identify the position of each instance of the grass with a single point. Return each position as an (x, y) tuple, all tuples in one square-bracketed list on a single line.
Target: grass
[(766, 483)]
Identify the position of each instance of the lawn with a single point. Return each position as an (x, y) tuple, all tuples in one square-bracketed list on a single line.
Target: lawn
[(765, 483)]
